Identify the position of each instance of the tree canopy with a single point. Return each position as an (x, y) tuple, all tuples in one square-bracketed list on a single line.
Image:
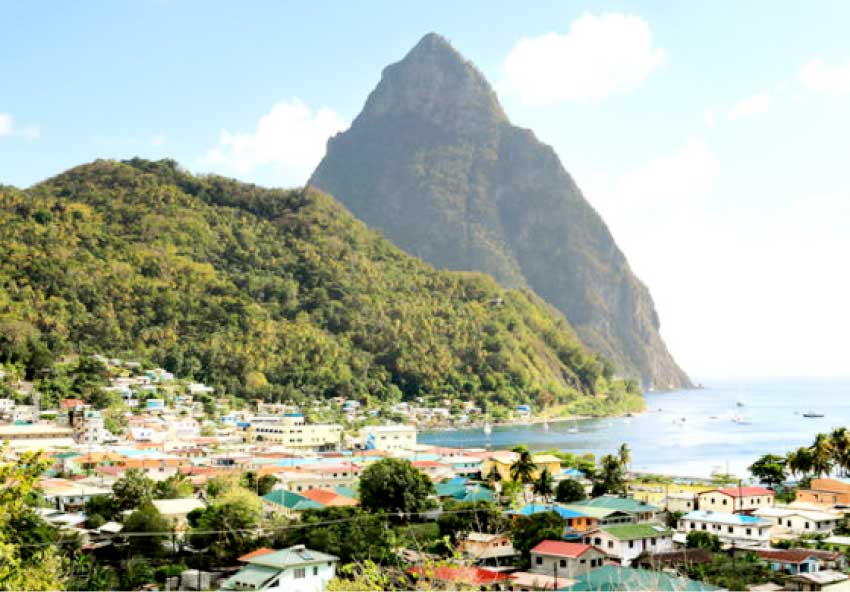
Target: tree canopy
[(393, 485)]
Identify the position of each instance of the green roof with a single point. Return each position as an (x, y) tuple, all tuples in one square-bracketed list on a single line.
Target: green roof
[(292, 557), (291, 501), (347, 491), (612, 502), (627, 532), (613, 578), (591, 511), (449, 490), (251, 576), (476, 494)]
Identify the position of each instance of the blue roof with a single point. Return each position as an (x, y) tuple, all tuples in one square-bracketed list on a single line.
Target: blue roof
[(724, 518), (530, 509), (573, 472)]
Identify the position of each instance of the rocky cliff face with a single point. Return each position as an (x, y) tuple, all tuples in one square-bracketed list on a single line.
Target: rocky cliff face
[(434, 163)]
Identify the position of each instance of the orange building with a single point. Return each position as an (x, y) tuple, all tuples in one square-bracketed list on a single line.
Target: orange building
[(826, 492)]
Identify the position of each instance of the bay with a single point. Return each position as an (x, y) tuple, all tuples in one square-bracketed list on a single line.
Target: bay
[(689, 432)]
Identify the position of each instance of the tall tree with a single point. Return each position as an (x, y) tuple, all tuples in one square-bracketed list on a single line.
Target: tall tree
[(528, 531), (799, 462), (821, 455), (543, 485), (840, 439), (396, 486), (523, 468), (133, 489), (569, 490), (610, 477), (624, 454), (770, 470)]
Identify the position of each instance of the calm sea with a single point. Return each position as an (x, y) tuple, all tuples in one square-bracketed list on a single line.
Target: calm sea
[(689, 432)]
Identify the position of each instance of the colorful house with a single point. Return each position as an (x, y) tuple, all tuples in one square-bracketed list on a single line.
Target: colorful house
[(735, 499), (626, 541)]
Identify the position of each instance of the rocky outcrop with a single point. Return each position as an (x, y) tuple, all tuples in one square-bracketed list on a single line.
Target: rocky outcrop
[(434, 163)]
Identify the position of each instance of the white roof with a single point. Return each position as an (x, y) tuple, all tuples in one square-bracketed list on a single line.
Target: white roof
[(780, 512), (174, 507), (111, 527), (482, 537)]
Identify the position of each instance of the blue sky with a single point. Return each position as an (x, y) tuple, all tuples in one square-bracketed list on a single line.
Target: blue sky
[(712, 137)]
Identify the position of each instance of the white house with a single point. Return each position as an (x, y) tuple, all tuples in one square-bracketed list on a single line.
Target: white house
[(389, 437), (627, 541), (799, 521), (735, 499), (296, 569), (732, 529)]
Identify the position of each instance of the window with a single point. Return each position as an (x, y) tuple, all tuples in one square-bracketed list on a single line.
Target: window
[(300, 573), (631, 544), (724, 502), (749, 531), (704, 527), (807, 525), (539, 561), (693, 524), (563, 563), (730, 529), (610, 544), (583, 561), (652, 541), (315, 570)]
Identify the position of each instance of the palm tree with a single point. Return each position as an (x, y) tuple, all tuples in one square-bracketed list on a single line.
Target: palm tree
[(799, 461), (625, 455), (609, 478), (544, 484), (840, 439), (821, 455), (523, 468)]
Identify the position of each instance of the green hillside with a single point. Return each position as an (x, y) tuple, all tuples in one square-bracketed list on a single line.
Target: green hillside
[(278, 294)]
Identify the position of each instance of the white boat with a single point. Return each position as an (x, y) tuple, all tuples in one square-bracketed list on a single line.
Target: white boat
[(573, 429), (545, 426), (487, 429)]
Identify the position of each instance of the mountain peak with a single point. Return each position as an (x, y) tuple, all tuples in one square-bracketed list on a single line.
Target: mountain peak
[(436, 83)]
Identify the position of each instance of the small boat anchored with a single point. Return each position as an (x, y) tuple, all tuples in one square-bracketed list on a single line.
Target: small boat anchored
[(487, 429), (812, 414)]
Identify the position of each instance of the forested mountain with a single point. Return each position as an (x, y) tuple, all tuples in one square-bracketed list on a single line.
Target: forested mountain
[(434, 163), (278, 294)]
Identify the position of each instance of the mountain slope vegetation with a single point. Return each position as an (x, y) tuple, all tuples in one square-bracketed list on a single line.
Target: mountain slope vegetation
[(434, 163), (267, 293)]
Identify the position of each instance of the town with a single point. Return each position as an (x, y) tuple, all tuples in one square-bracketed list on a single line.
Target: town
[(155, 482)]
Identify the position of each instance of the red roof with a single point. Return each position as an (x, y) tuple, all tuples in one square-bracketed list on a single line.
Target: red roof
[(745, 491), (470, 575), (561, 549), (326, 497), (785, 555), (428, 464), (255, 553), (71, 403)]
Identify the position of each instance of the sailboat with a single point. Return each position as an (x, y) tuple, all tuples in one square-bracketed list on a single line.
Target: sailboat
[(545, 425), (573, 429), (487, 429)]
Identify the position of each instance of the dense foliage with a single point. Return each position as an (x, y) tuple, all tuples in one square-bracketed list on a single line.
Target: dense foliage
[(29, 557), (267, 293), (393, 485)]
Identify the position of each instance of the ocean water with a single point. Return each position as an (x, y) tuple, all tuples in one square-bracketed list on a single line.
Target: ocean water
[(706, 441)]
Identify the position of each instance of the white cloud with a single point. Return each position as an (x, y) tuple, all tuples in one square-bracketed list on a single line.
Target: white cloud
[(667, 181), (709, 118), (598, 57), (754, 105), (9, 128), (291, 138), (5, 124), (818, 77)]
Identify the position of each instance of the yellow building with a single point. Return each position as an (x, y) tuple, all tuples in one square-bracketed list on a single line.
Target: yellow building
[(503, 461), (316, 436), (673, 497)]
